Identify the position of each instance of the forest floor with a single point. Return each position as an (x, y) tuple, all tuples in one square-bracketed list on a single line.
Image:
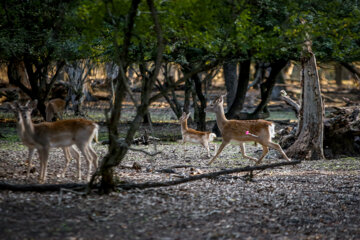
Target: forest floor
[(312, 200)]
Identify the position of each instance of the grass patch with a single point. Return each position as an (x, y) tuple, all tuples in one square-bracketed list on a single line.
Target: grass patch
[(282, 115)]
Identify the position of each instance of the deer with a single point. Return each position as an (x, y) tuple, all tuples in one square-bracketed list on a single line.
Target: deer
[(259, 131), (63, 133), (194, 136), (68, 151), (55, 107)]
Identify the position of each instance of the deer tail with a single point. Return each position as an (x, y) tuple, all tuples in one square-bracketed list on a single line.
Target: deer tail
[(212, 136), (272, 130)]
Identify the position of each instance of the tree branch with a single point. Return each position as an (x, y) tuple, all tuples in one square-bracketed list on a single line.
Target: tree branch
[(77, 186), (201, 176), (289, 101)]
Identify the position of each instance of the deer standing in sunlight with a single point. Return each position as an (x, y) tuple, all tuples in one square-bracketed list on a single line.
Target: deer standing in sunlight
[(64, 134), (55, 108), (241, 131), (194, 136)]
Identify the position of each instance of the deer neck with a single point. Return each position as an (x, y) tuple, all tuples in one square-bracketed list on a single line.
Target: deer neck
[(184, 126), (20, 128), (28, 127), (220, 118)]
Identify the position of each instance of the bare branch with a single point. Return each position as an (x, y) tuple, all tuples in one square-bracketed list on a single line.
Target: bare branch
[(290, 101)]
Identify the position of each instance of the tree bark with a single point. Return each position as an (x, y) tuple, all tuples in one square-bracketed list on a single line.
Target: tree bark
[(187, 94), (230, 75), (338, 74), (309, 136), (200, 121), (242, 85), (266, 90)]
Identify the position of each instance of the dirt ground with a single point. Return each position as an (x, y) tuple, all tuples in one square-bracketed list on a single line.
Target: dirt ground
[(313, 200)]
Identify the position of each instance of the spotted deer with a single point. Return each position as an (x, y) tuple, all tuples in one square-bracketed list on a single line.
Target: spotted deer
[(55, 108), (241, 131), (194, 136), (63, 133)]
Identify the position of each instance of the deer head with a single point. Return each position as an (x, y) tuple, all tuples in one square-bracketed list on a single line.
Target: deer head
[(216, 105)]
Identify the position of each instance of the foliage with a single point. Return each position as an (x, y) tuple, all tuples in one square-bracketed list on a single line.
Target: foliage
[(37, 29)]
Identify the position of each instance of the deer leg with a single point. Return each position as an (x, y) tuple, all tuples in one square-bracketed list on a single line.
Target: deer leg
[(67, 158), (265, 151), (223, 144), (43, 155), (206, 145), (277, 147), (214, 149), (184, 144), (84, 151), (28, 161), (93, 155), (242, 147), (75, 153)]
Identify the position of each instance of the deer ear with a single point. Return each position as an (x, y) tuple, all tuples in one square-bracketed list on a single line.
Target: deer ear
[(188, 115)]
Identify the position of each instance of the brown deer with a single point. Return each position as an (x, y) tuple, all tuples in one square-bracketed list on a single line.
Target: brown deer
[(194, 136), (64, 134), (68, 151), (241, 131), (55, 108)]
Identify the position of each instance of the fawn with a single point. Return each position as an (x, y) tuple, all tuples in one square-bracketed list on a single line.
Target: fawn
[(261, 131), (194, 136)]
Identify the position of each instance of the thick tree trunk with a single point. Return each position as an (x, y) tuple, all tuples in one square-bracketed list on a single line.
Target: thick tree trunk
[(241, 90), (309, 136), (230, 75)]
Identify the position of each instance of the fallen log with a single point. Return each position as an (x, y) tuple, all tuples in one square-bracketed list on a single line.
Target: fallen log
[(129, 186), (40, 187)]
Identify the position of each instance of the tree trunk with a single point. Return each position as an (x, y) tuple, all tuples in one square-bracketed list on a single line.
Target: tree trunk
[(309, 136), (195, 104), (230, 75), (338, 74), (200, 121), (266, 87), (118, 151), (279, 86), (187, 93), (242, 86)]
